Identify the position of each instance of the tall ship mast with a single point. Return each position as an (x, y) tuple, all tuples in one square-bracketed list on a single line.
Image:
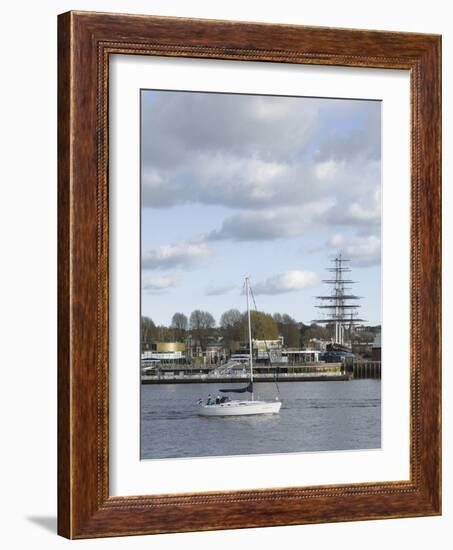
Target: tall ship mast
[(340, 307)]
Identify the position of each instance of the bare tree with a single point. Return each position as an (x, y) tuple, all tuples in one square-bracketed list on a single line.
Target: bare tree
[(231, 328), (288, 328), (147, 332), (230, 318), (288, 320), (201, 323), (277, 318), (179, 323)]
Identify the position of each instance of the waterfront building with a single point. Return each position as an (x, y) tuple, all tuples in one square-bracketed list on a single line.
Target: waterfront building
[(266, 350), (318, 344), (300, 356), (362, 348), (368, 328), (215, 352), (163, 353), (376, 349)]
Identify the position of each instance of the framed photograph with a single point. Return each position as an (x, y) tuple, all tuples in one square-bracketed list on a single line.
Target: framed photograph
[(249, 275)]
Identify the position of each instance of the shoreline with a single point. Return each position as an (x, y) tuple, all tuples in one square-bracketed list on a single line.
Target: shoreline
[(225, 380)]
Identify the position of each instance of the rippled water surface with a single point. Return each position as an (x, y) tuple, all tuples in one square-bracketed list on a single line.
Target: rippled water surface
[(315, 416)]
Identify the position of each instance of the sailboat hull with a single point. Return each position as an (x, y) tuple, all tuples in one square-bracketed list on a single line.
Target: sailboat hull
[(241, 408)]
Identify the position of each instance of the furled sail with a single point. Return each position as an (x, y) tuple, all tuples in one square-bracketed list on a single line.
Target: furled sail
[(248, 388)]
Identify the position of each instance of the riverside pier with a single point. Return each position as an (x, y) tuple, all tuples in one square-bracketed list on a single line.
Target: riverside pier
[(185, 374), (365, 369)]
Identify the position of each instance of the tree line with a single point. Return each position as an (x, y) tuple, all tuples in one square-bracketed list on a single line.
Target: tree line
[(202, 326)]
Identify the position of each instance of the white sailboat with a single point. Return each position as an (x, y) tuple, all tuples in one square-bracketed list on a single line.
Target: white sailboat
[(239, 407)]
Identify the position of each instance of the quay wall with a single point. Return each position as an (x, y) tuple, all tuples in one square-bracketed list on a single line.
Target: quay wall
[(289, 373), (197, 379), (182, 374), (364, 369)]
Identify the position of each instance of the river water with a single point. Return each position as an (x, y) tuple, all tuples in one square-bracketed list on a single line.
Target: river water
[(315, 416)]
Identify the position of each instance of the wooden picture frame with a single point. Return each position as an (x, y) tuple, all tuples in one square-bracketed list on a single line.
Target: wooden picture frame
[(85, 42)]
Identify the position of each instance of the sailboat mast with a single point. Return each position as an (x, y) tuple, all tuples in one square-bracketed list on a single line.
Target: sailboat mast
[(247, 292)]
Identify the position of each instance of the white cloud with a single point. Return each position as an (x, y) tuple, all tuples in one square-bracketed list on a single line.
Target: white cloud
[(219, 290), (272, 224), (286, 282), (234, 180), (189, 123), (258, 152), (363, 211), (263, 110), (158, 285), (364, 251), (221, 178), (327, 169), (180, 255)]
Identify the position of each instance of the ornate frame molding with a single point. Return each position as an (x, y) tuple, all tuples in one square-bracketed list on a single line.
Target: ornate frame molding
[(86, 40)]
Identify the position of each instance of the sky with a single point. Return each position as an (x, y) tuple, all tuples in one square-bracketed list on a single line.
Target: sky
[(268, 187)]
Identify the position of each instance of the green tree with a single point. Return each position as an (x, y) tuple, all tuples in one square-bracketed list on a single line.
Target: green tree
[(263, 326)]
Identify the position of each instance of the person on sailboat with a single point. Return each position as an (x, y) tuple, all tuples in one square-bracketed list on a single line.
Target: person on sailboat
[(210, 400)]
